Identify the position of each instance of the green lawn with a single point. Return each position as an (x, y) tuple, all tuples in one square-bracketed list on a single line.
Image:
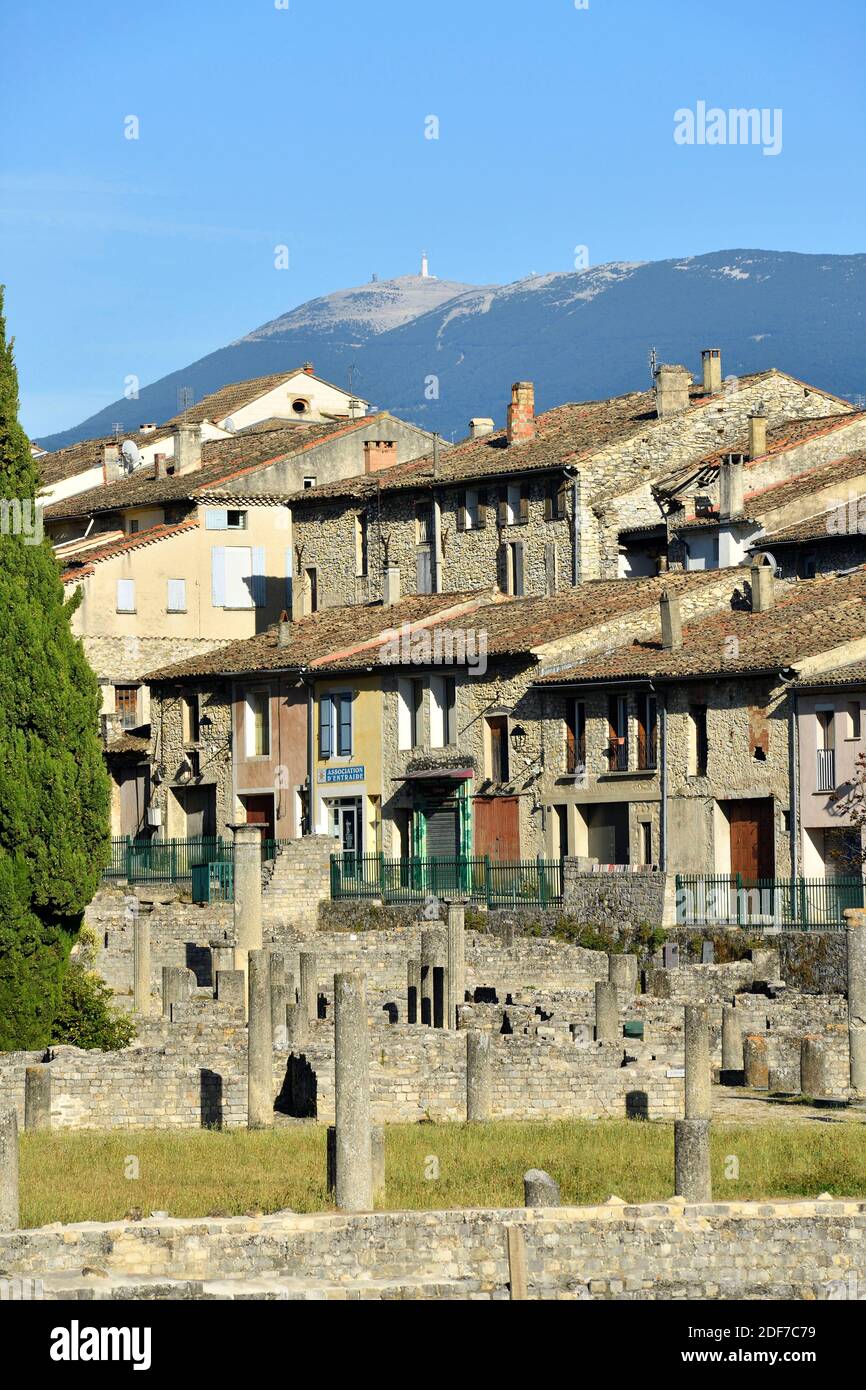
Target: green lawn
[(81, 1177)]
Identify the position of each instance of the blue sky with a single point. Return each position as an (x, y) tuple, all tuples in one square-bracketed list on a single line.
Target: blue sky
[(305, 125)]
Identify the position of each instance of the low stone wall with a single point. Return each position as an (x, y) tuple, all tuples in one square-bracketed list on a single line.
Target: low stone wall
[(769, 1250)]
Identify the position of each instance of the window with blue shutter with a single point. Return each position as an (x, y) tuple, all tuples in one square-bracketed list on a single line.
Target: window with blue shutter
[(258, 584), (325, 720), (344, 725), (215, 519), (218, 576)]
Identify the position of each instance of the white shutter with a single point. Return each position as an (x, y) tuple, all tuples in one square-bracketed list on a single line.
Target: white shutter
[(215, 519), (126, 595), (239, 573), (259, 581), (437, 712), (218, 576), (404, 714), (177, 596)]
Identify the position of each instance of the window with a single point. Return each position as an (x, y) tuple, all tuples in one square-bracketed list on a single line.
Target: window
[(236, 521), (575, 736), (238, 576), (497, 728), (514, 505), (189, 715), (511, 579), (645, 843), (443, 709), (258, 724), (309, 482), (423, 570), (126, 705), (853, 720), (423, 523), (176, 602), (617, 719), (133, 526), (698, 751), (361, 544), (647, 734), (300, 406), (555, 500), (312, 578), (410, 694), (335, 726), (807, 566), (126, 595)]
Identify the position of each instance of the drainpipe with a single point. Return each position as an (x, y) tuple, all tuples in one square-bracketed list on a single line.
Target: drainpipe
[(311, 759), (795, 784), (437, 544), (663, 760)]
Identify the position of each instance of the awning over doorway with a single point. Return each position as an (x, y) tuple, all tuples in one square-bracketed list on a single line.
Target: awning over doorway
[(455, 774)]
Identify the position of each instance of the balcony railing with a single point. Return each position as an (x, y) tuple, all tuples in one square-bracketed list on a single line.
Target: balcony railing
[(825, 771), (617, 757)]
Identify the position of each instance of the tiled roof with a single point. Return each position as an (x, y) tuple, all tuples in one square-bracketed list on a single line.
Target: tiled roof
[(780, 438), (222, 460), (816, 528), (567, 434), (78, 567), (854, 674), (314, 637), (762, 502), (90, 453), (129, 743), (218, 405), (810, 616)]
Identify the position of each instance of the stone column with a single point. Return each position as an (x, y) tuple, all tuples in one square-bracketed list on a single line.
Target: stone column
[(855, 922), (222, 957), (37, 1097), (539, 1189), (141, 998), (354, 1156), (9, 1212), (756, 1066), (732, 1046), (377, 1152), (697, 1062), (433, 959), (309, 990), (692, 1160), (248, 892), (175, 987), (455, 978), (279, 999), (260, 1045), (622, 972), (413, 991), (291, 994), (479, 1081), (813, 1066), (297, 1027), (607, 1029)]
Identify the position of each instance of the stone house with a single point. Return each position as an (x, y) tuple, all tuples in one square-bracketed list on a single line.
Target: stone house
[(828, 712), (500, 507), (677, 750)]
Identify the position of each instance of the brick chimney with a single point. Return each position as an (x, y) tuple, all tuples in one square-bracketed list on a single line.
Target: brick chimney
[(112, 466), (731, 487), (521, 413), (672, 627), (379, 454), (159, 465), (187, 448), (757, 435), (711, 359), (763, 585), (672, 390), (479, 427), (391, 591)]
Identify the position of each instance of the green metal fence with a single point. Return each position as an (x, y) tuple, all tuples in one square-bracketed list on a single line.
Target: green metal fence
[(494, 882), (162, 861), (806, 904)]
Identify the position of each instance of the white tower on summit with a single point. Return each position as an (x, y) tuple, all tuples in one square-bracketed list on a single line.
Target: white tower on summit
[(425, 267)]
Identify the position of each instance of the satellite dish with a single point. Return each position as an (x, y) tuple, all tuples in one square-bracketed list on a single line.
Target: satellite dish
[(229, 425), (130, 453)]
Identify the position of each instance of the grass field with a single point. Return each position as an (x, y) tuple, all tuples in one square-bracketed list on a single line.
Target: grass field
[(83, 1177)]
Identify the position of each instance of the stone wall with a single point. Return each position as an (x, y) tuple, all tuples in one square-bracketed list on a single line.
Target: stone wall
[(666, 1250)]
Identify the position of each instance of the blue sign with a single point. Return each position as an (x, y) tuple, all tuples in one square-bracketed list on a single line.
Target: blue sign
[(342, 774)]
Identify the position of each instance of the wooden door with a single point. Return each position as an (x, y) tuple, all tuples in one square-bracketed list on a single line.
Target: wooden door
[(260, 811), (133, 799), (497, 826), (752, 849)]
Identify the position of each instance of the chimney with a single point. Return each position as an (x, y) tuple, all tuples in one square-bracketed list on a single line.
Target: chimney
[(731, 487), (757, 435), (672, 390), (187, 448), (391, 593), (763, 596), (284, 631), (148, 428), (302, 596), (712, 364), (479, 427), (112, 467), (672, 627), (521, 413), (379, 454), (308, 368), (159, 465)]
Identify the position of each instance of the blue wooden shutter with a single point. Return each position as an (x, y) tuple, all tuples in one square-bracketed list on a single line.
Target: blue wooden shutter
[(218, 576), (325, 727), (258, 585), (344, 732), (216, 519)]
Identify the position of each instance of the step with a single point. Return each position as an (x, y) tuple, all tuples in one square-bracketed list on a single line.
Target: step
[(115, 1287)]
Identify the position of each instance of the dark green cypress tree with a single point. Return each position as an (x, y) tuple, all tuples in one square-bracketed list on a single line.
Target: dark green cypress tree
[(54, 791)]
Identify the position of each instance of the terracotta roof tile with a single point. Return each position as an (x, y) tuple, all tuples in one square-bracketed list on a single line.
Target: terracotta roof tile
[(75, 568)]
